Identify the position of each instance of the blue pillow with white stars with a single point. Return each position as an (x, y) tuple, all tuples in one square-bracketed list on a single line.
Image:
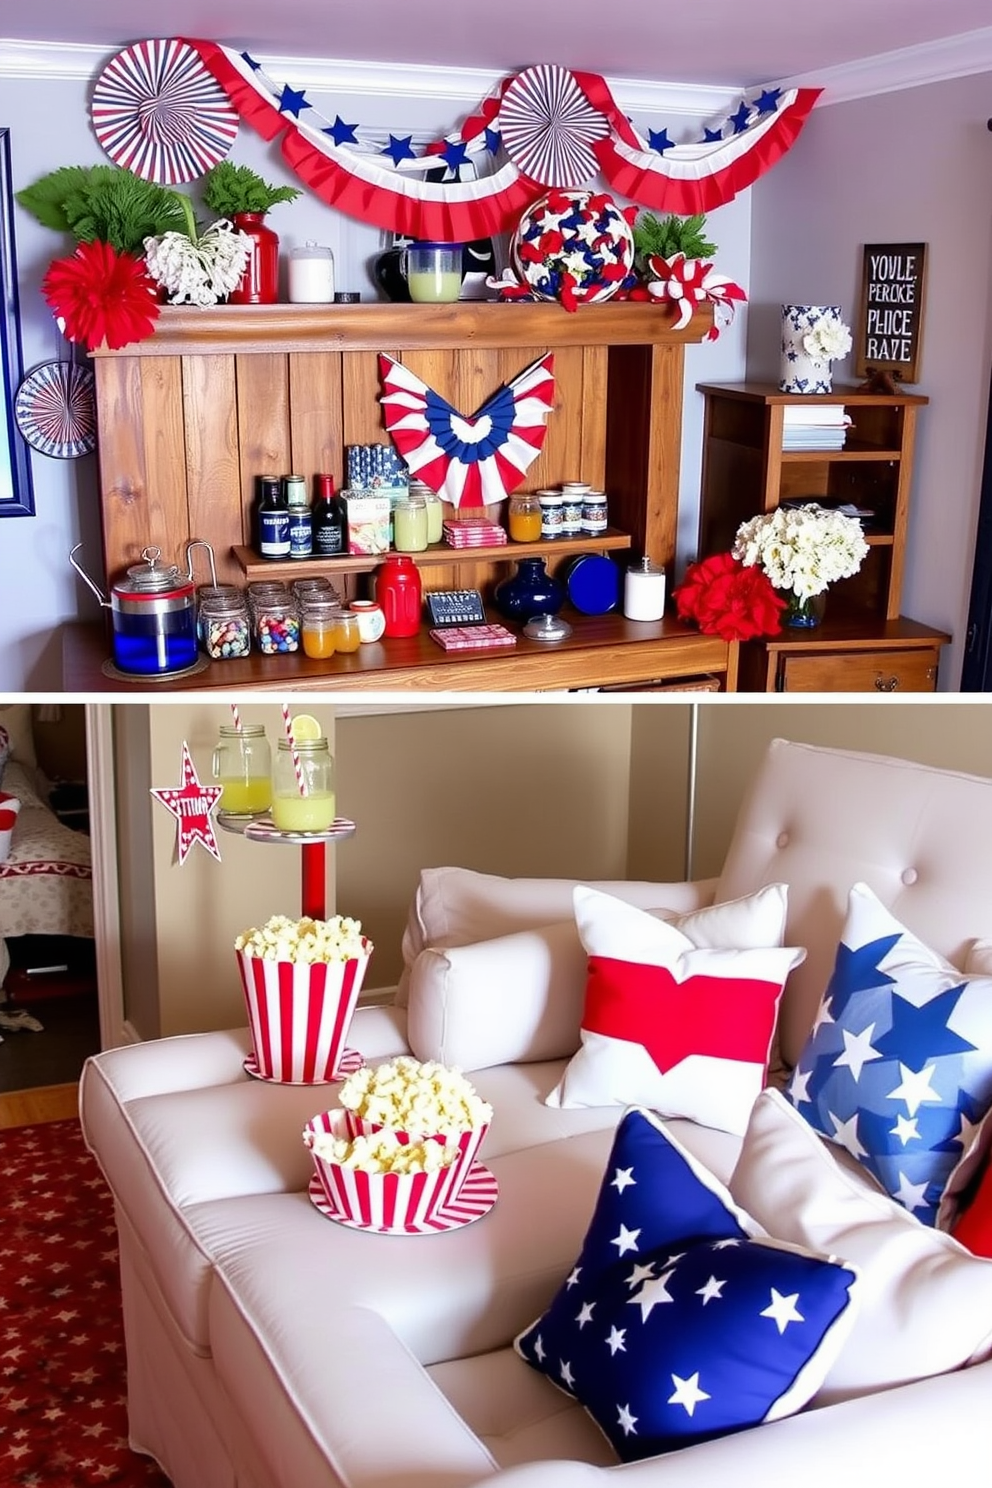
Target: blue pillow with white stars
[(898, 1066), (681, 1320)]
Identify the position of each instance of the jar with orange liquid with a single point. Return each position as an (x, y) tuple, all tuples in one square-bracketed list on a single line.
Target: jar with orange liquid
[(347, 636), (318, 623), (524, 517)]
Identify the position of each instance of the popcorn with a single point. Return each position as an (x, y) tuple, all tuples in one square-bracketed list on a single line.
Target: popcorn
[(307, 941), (409, 1096), (383, 1152)]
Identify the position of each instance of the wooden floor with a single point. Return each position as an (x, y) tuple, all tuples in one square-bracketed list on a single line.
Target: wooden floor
[(44, 1103)]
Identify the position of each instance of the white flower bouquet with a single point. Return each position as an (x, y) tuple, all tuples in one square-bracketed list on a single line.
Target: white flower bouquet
[(803, 549), (828, 340), (198, 268)]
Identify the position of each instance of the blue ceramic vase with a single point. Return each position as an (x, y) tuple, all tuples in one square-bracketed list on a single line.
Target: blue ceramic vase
[(530, 591)]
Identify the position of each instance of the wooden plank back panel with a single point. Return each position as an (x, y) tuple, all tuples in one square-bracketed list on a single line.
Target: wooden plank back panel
[(644, 421), (592, 459), (316, 414), (264, 439), (142, 460), (213, 466), (360, 388)]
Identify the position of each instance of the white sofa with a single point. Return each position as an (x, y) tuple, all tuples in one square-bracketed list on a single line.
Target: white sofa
[(271, 1348)]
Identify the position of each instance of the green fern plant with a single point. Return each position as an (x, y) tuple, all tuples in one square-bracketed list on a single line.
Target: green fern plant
[(105, 203), (230, 188), (662, 237)]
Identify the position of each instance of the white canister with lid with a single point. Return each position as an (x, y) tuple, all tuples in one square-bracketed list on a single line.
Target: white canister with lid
[(311, 275), (644, 591)]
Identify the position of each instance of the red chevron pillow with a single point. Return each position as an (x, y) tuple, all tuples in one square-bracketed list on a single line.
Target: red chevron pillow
[(681, 1029), (9, 807)]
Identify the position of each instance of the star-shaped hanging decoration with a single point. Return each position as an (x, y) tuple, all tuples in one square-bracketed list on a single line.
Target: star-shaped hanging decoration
[(739, 120), (292, 101), (399, 149), (658, 140), (711, 136), (342, 133), (454, 154), (191, 804), (767, 102), (493, 140)]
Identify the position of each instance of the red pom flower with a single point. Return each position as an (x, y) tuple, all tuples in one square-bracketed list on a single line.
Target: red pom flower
[(727, 599), (102, 295)]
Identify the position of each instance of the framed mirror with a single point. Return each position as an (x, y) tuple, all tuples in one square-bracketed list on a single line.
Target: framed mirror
[(16, 494)]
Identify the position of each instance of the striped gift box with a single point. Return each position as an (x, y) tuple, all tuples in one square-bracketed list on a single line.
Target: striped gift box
[(299, 1014), (392, 1203)]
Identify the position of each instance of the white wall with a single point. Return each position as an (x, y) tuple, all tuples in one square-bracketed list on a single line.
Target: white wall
[(38, 589), (909, 166)]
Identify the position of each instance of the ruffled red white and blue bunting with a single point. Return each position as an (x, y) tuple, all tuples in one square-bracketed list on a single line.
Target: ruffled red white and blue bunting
[(469, 462), (545, 126)]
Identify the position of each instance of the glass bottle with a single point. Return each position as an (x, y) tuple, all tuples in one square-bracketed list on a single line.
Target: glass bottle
[(273, 520), (330, 520), (318, 621), (524, 518), (310, 807), (242, 767), (224, 624)]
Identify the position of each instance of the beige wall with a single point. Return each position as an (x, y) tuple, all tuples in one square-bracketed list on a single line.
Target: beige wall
[(529, 789)]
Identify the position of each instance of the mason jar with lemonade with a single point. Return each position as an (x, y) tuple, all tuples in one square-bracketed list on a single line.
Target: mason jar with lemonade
[(303, 779)]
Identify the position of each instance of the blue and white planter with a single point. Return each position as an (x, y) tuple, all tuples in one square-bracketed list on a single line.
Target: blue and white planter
[(802, 373)]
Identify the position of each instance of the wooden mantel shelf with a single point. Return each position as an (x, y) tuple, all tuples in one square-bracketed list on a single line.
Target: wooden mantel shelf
[(387, 327)]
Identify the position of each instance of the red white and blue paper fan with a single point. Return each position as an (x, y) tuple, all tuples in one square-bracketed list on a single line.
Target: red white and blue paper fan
[(548, 127), (574, 246), (158, 111), (55, 410), (473, 461)]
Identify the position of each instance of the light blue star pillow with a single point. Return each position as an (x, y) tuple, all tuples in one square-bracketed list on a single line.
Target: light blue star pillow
[(898, 1065), (681, 1320)]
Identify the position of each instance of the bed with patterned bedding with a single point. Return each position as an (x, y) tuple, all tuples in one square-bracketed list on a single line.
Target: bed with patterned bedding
[(46, 881)]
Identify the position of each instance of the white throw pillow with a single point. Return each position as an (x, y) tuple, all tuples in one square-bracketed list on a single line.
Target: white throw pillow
[(457, 907), (9, 808), (926, 1302), (666, 1023), (518, 998)]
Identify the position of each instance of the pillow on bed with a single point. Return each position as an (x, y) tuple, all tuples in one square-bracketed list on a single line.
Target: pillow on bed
[(9, 807), (667, 1023), (681, 1320), (15, 721), (18, 780), (518, 998)]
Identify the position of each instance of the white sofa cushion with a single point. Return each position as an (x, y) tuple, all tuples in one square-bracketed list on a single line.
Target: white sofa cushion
[(925, 1303), (680, 1320), (898, 1068), (457, 906), (519, 997), (821, 820), (684, 1029)]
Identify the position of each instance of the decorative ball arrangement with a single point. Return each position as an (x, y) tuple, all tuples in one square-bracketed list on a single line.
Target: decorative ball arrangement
[(574, 246)]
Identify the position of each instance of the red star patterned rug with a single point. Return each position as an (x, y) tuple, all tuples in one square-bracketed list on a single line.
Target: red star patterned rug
[(63, 1416)]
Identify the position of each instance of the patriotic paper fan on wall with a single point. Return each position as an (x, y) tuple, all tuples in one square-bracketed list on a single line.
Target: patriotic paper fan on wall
[(55, 410), (159, 112), (548, 127)]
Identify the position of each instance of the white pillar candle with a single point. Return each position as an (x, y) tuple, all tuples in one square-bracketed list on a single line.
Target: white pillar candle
[(311, 275), (644, 592)]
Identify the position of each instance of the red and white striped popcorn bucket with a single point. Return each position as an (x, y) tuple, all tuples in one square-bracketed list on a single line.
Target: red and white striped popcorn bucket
[(299, 1014), (394, 1203)]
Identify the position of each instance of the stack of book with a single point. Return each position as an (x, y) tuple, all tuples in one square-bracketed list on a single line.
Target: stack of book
[(811, 426)]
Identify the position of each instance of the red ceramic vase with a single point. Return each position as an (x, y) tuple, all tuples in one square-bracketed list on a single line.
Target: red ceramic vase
[(260, 281)]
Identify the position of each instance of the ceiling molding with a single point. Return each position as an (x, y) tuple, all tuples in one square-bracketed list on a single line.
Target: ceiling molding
[(40, 60), (908, 67)]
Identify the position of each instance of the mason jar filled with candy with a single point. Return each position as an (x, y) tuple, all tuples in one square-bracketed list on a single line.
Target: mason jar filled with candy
[(225, 625), (277, 626)]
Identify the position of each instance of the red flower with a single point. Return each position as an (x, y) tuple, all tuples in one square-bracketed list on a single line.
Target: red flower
[(102, 295), (727, 599)]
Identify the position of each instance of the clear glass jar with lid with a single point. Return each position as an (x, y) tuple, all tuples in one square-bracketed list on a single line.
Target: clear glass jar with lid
[(242, 767), (435, 510), (225, 625), (410, 525), (277, 625), (303, 786), (318, 620), (524, 517)]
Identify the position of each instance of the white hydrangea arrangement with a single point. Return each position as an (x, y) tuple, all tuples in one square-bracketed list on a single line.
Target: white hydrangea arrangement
[(828, 340), (421, 1098), (198, 270), (306, 940), (803, 549)]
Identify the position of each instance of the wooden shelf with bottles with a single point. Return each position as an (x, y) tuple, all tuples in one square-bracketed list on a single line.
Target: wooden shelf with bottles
[(746, 472), (191, 417)]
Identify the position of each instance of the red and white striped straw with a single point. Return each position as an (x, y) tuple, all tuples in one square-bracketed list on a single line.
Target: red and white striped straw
[(236, 716), (297, 765)]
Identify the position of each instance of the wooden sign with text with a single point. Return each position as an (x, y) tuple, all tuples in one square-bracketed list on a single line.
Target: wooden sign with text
[(890, 327)]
